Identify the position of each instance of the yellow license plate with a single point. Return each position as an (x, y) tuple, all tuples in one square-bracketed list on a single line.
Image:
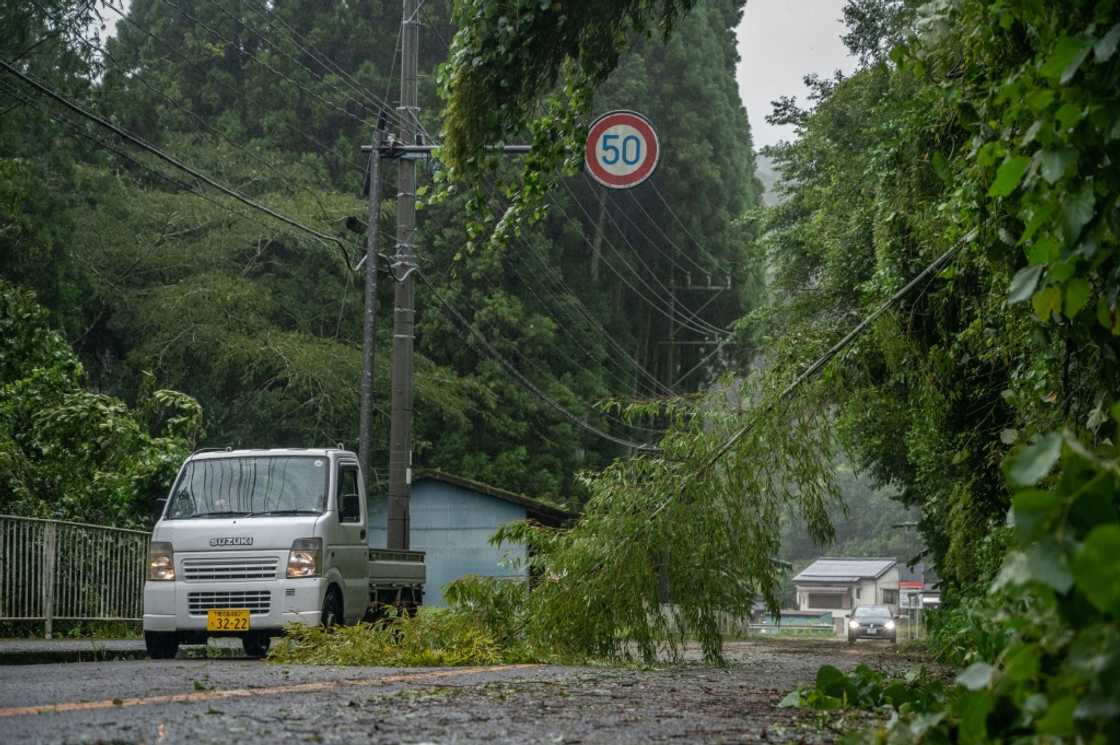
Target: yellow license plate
[(227, 619)]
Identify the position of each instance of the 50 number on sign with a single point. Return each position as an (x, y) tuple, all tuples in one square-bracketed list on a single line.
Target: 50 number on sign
[(630, 153)]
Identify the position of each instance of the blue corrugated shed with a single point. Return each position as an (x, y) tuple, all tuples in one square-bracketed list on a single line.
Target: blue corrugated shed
[(452, 519)]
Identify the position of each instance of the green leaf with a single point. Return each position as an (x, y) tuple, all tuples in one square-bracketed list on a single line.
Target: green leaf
[(940, 166), (1044, 250), (1068, 116), (1029, 511), (976, 676), (973, 710), (1023, 283), (832, 682), (1022, 662), (1077, 212), (1033, 462), (1106, 45), (1040, 99), (1008, 176), (1047, 564), (791, 700), (1055, 163), (1014, 572), (1046, 302), (1059, 718), (1077, 296), (1096, 567), (1068, 55)]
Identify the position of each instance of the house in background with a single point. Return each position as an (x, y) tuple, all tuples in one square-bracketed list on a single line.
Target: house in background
[(840, 584), (452, 519)]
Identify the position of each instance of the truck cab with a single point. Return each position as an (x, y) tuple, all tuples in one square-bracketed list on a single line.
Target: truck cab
[(250, 541)]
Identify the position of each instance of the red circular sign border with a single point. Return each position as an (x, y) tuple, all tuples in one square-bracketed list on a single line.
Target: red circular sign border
[(638, 122)]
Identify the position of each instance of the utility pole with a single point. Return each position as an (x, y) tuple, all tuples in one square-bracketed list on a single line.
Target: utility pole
[(369, 323), (400, 429)]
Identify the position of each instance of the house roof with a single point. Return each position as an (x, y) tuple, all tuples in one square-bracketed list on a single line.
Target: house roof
[(535, 509), (842, 569)]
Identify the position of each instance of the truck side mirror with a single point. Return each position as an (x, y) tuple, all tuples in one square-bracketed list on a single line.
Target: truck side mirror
[(157, 508), (350, 509)]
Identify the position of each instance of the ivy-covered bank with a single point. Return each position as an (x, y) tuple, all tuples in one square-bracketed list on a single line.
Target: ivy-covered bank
[(990, 400)]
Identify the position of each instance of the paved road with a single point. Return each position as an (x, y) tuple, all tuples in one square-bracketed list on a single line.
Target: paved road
[(241, 701)]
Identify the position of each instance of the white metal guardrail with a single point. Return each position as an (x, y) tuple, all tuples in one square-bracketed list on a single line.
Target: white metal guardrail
[(51, 570)]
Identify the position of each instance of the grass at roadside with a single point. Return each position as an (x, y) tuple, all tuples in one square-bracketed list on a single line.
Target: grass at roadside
[(72, 630)]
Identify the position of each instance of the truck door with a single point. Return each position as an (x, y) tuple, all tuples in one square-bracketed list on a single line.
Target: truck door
[(350, 554)]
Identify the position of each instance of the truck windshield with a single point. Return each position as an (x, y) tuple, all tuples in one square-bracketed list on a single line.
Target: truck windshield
[(250, 486)]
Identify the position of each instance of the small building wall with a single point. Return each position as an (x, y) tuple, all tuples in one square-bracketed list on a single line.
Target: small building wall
[(868, 591), (453, 526)]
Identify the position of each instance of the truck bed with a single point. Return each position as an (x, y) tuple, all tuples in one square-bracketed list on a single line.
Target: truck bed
[(391, 567)]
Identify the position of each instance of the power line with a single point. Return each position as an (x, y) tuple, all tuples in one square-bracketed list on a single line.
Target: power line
[(712, 329), (319, 146), (697, 324), (260, 158), (701, 363), (106, 145), (622, 278), (939, 263), (525, 382), (673, 214), (347, 96), (328, 64), (576, 366), (653, 244), (574, 317), (680, 252), (170, 159), (253, 56), (817, 365), (589, 320)]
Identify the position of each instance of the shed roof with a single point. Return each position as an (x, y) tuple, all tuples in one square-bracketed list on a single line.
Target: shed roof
[(840, 569), (535, 509)]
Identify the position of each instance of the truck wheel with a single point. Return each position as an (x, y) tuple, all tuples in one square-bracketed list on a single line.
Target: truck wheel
[(332, 608), (256, 646), (162, 645)]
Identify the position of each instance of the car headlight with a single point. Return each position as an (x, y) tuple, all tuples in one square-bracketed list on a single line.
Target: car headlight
[(161, 561), (853, 624), (890, 625), (303, 559)]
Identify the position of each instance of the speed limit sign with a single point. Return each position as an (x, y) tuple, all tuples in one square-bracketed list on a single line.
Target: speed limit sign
[(622, 149)]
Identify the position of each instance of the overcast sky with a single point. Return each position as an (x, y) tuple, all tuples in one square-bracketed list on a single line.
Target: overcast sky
[(779, 42)]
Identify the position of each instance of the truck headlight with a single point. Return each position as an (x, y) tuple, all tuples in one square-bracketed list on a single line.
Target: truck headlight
[(161, 561), (890, 625), (853, 624), (303, 559)]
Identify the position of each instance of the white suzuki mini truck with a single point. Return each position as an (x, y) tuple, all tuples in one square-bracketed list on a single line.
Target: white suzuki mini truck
[(250, 541)]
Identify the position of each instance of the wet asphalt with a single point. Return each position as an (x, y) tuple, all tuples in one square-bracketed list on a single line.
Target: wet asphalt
[(239, 701)]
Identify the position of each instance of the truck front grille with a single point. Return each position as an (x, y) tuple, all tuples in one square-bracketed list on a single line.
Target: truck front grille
[(250, 567), (257, 601)]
